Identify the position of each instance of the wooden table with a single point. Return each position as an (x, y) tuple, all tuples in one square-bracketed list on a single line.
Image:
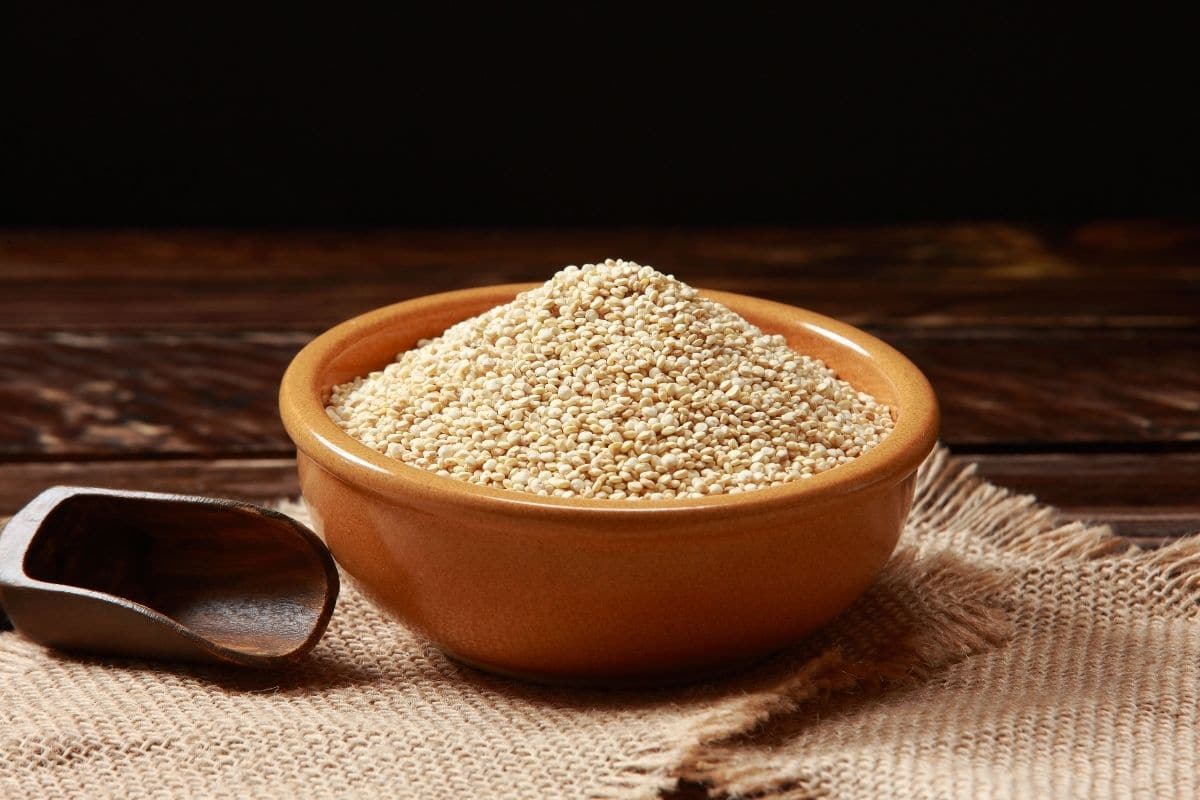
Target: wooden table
[(1067, 360)]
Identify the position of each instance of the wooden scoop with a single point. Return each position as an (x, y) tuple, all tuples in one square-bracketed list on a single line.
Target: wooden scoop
[(165, 576)]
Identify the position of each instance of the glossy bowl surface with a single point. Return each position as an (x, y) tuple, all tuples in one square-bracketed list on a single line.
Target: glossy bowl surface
[(584, 590)]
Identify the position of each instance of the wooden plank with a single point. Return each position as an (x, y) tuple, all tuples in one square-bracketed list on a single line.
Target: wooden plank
[(903, 253), (921, 276), (1148, 527), (1106, 389), (256, 480), (1102, 481), (314, 305), (1094, 488), (73, 395), (1148, 498)]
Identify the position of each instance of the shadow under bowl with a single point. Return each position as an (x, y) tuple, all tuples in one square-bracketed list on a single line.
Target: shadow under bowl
[(604, 591)]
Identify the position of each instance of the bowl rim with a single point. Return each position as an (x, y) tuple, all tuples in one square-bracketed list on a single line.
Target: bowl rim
[(913, 435)]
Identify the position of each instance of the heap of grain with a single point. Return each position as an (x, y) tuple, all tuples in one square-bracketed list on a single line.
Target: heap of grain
[(611, 381)]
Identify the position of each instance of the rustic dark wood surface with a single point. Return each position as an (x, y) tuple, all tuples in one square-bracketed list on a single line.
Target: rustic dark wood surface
[(1067, 359)]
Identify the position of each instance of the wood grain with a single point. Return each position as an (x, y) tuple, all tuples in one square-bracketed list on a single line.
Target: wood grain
[(254, 480), (969, 251), (1169, 481), (75, 395), (315, 305), (921, 276), (1144, 498), (1149, 499), (1108, 389)]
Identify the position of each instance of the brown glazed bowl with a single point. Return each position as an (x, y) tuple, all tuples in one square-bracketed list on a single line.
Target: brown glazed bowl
[(604, 591)]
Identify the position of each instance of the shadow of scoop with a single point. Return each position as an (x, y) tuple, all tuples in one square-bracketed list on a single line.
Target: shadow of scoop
[(165, 577)]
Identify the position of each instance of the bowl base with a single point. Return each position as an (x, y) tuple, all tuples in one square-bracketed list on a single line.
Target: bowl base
[(654, 680)]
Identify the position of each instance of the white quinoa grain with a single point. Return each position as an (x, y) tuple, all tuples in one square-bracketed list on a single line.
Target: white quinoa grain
[(611, 381)]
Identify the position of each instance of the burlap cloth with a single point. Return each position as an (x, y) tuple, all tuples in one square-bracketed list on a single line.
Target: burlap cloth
[(1000, 655)]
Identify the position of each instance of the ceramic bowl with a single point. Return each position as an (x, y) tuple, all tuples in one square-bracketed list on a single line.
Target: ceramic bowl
[(607, 591)]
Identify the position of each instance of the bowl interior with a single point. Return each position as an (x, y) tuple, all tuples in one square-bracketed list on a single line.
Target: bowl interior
[(369, 342)]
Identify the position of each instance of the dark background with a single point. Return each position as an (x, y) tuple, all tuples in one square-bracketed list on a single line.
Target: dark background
[(184, 116)]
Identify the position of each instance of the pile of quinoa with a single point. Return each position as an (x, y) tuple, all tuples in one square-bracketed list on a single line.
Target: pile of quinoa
[(611, 381)]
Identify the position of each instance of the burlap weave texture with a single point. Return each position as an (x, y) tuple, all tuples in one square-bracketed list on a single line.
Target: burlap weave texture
[(1000, 655)]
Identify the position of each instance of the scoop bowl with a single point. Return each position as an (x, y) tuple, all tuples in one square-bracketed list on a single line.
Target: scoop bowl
[(159, 576)]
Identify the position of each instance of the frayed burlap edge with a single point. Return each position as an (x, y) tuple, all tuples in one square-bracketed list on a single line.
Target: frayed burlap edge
[(971, 622), (950, 491)]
